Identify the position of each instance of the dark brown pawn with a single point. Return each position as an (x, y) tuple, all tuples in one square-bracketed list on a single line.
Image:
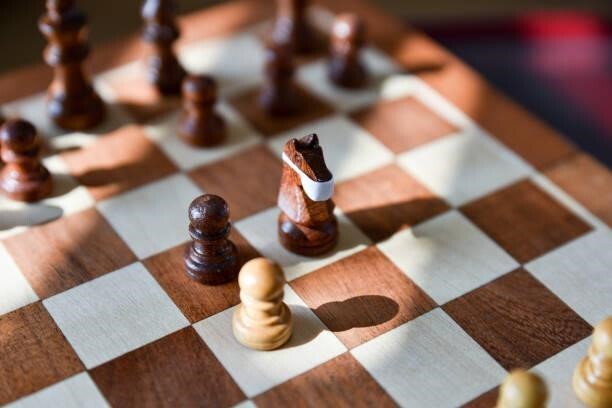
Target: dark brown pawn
[(72, 101), (212, 258), (347, 40), (291, 26), (279, 95), (161, 31), (200, 125), (23, 177)]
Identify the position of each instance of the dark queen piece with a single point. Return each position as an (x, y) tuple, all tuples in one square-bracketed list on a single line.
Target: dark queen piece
[(347, 40), (292, 27), (212, 258)]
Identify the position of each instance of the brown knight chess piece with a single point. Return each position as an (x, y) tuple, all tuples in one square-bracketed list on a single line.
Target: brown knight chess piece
[(72, 102), (292, 27), (279, 95), (164, 69), (348, 38), (307, 224)]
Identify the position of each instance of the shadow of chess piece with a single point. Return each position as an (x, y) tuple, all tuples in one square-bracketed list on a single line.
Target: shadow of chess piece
[(200, 125), (593, 376), (72, 101), (23, 178), (307, 224), (262, 321), (161, 31), (347, 40), (522, 389), (292, 27), (279, 95), (212, 258)]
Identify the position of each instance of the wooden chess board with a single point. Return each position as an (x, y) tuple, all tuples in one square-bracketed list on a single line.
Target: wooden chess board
[(473, 238)]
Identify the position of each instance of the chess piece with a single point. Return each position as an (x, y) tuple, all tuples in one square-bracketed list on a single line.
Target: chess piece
[(279, 95), (307, 224), (522, 389), (292, 27), (262, 321), (212, 258), (347, 40), (593, 375), (23, 178), (72, 102), (161, 31), (200, 125)]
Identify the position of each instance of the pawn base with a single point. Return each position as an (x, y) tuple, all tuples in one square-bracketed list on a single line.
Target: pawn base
[(209, 134), (262, 337), (29, 190), (76, 116), (595, 394), (213, 272), (306, 241), (347, 75)]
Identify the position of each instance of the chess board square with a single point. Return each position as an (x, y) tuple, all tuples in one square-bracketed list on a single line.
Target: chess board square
[(116, 313), (312, 108), (344, 144), (386, 200), (447, 256), (261, 232), (524, 220), (315, 77), (255, 371), (118, 162), (34, 353), (258, 170), (463, 167), (516, 319), (585, 264), (67, 252), (15, 291), (485, 400), (588, 181), (195, 300), (179, 367), (341, 381), (74, 392), (152, 218), (425, 362), (186, 157), (403, 123), (362, 296)]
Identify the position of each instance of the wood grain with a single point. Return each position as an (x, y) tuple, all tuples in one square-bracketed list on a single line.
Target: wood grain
[(67, 252), (587, 181), (386, 200), (177, 370), (118, 162), (403, 124), (257, 189), (35, 354), (362, 296), (524, 220), (341, 382), (518, 320)]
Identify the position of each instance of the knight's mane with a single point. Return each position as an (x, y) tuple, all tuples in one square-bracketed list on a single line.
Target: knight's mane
[(308, 156)]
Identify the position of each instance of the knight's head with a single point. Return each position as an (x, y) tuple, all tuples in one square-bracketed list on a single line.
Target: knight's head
[(306, 153)]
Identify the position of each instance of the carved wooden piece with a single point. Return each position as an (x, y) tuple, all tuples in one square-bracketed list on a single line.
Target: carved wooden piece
[(161, 31), (212, 258), (593, 375), (72, 101), (279, 95), (347, 39), (305, 227), (522, 389), (262, 321), (200, 125), (292, 27), (23, 177)]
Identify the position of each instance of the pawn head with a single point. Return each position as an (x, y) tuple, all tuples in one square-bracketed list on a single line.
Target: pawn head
[(349, 27), (522, 388), (261, 279), (18, 135), (200, 88), (209, 214), (602, 337)]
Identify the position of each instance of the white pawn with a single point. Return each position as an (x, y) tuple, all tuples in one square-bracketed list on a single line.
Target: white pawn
[(522, 389), (262, 321)]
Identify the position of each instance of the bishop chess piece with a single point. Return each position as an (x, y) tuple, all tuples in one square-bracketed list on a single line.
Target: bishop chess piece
[(292, 27), (593, 375), (262, 321), (161, 31), (200, 125), (279, 95), (23, 177), (72, 101), (347, 40), (307, 224), (522, 389), (212, 258)]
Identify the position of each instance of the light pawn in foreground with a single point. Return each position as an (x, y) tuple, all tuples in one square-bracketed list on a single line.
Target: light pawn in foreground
[(522, 389), (593, 375), (262, 321)]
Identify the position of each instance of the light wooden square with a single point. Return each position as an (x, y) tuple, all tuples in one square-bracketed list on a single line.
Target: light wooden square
[(15, 291)]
